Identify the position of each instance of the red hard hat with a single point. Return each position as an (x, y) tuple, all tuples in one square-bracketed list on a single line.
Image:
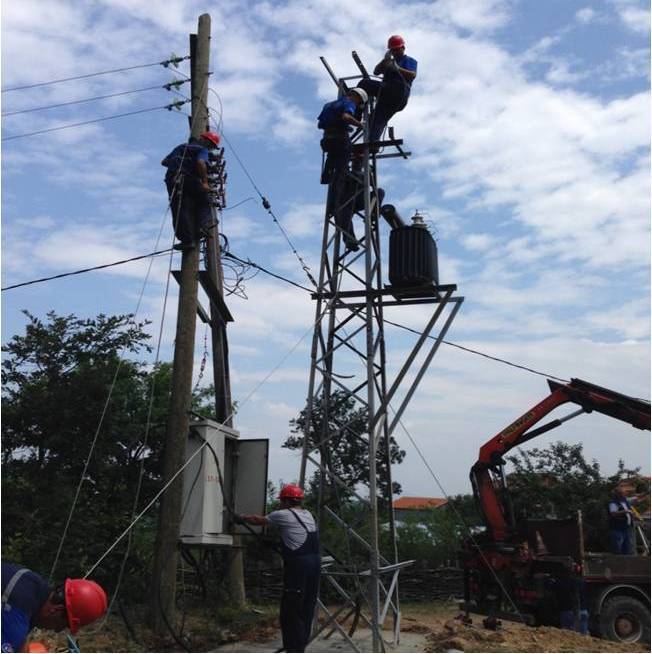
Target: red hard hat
[(291, 492), (395, 41), (85, 602), (212, 137)]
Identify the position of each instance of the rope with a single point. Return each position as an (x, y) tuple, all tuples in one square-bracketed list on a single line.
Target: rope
[(251, 393), (463, 522), (115, 377)]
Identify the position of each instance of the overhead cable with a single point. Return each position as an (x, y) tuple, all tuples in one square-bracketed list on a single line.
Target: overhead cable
[(108, 399), (167, 87), (169, 107), (482, 354), (85, 270), (268, 207), (170, 481), (173, 61), (249, 262)]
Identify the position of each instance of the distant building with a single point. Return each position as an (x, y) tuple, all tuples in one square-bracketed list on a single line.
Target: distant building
[(416, 507)]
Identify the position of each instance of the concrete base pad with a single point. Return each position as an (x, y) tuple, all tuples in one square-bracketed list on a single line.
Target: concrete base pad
[(410, 642)]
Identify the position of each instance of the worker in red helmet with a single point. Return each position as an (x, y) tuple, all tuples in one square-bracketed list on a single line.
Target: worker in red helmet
[(337, 119), (392, 94), (186, 180), (28, 601), (301, 565)]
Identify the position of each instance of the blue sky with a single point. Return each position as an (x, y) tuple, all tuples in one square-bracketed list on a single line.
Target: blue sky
[(529, 127)]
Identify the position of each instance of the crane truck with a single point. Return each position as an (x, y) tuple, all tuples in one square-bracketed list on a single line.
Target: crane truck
[(525, 569)]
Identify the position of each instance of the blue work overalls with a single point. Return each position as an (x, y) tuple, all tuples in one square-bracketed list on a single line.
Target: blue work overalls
[(301, 568)]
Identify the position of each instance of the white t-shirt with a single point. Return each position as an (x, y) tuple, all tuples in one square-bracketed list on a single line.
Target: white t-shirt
[(292, 531)]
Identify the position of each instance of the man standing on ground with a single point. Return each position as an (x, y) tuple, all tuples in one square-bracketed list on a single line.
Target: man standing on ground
[(28, 601), (187, 184), (301, 565), (398, 71)]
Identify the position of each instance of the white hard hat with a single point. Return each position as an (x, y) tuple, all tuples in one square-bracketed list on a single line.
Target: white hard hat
[(361, 93)]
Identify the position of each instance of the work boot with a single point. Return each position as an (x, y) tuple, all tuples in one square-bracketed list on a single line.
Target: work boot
[(205, 230), (351, 244), (326, 176)]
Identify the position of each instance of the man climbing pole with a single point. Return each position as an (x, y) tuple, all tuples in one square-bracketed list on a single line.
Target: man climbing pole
[(393, 92), (28, 601), (336, 119), (186, 180), (301, 565)]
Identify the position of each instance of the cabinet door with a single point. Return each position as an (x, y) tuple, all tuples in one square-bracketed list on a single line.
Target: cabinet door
[(251, 479)]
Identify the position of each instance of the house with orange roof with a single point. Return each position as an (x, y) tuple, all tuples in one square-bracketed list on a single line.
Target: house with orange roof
[(418, 507)]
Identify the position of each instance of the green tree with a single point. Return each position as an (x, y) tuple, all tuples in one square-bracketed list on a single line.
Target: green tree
[(347, 451), (57, 378), (557, 481)]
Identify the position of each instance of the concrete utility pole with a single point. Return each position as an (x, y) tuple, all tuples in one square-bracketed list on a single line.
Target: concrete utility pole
[(164, 573)]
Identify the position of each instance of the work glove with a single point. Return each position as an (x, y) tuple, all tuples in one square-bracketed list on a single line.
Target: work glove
[(238, 519)]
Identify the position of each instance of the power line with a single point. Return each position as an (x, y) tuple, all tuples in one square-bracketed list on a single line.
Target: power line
[(482, 354), (267, 205), (251, 263), (173, 60), (168, 87), (85, 270), (169, 107)]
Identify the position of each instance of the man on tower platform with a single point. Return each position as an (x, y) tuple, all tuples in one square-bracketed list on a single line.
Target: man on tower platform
[(301, 565), (28, 601), (186, 180), (393, 92), (336, 119)]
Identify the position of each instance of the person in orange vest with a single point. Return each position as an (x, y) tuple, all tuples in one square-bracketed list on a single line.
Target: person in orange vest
[(301, 565), (28, 601)]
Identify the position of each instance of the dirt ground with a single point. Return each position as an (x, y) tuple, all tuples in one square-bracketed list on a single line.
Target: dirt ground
[(256, 629), (444, 633)]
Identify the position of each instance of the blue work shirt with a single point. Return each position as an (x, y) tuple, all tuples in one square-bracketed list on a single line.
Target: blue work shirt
[(331, 114), (21, 606), (185, 157), (392, 76)]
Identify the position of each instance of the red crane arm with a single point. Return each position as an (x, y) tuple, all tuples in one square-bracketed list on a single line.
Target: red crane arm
[(588, 396)]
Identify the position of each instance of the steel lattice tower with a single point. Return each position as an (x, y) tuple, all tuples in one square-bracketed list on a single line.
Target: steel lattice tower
[(360, 563)]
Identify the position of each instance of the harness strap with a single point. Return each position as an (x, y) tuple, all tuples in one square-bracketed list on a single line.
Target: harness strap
[(10, 587)]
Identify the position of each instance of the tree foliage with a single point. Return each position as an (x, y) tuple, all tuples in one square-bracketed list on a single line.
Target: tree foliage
[(56, 378), (557, 481), (348, 452)]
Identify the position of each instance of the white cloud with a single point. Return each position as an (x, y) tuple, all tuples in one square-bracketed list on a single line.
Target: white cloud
[(478, 242), (539, 192), (633, 15), (586, 15)]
